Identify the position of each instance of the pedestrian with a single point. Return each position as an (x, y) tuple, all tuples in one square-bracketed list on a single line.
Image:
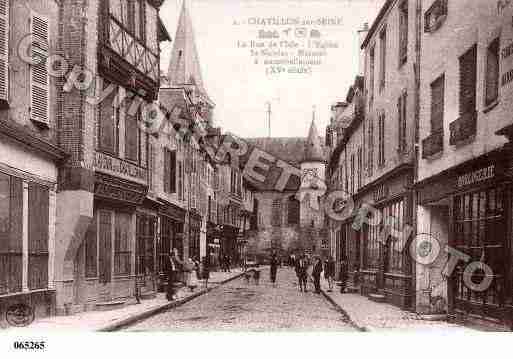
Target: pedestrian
[(342, 275), (189, 267), (316, 274), (329, 272), (274, 268), (301, 272), (174, 267), (256, 275), (228, 264), (205, 270)]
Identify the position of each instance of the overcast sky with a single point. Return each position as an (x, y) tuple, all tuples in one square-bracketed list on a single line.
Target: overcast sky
[(241, 88)]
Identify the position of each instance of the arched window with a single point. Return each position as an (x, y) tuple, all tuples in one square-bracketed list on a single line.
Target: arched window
[(293, 210)]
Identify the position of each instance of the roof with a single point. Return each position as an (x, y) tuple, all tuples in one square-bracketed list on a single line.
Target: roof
[(184, 66), (376, 22), (289, 149)]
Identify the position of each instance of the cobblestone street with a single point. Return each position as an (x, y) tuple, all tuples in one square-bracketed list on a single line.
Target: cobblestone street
[(242, 306)]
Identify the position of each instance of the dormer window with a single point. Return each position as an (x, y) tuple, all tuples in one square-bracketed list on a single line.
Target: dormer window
[(435, 16)]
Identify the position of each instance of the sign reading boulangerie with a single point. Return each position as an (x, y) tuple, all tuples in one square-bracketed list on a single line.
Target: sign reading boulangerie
[(476, 176)]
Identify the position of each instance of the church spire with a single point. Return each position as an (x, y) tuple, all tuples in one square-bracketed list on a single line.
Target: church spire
[(313, 148), (184, 66)]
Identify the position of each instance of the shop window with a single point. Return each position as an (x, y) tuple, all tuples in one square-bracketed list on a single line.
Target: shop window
[(393, 214), (122, 253), (372, 242), (11, 243), (480, 232), (38, 211), (91, 249), (492, 73), (145, 244), (105, 245)]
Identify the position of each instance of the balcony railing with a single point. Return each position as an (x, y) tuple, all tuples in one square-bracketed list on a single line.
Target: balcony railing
[(433, 144), (463, 128)]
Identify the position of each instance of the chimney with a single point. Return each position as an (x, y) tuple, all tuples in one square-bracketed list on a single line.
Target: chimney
[(362, 33)]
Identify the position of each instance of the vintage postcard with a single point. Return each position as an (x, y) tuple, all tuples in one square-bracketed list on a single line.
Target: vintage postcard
[(340, 166)]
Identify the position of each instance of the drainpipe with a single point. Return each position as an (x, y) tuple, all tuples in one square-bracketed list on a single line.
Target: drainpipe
[(416, 68)]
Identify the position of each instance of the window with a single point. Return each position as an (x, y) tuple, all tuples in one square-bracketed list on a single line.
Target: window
[(145, 244), (468, 77), (180, 186), (139, 19), (38, 221), (381, 139), (383, 56), (122, 253), (39, 77), (276, 213), (170, 172), (105, 245), (394, 214), (293, 210), (352, 174), (403, 32), (372, 244), (109, 123), (131, 137), (91, 249), (437, 104), (4, 50), (402, 104), (360, 168), (492, 73), (371, 78), (435, 16), (11, 242), (370, 161)]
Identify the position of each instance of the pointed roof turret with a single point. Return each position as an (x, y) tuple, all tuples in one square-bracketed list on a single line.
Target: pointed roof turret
[(313, 148), (184, 66)]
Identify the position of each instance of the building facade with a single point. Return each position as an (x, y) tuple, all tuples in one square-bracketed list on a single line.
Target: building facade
[(464, 175), (31, 156)]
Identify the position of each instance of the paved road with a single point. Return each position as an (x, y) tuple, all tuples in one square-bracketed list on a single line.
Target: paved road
[(248, 307)]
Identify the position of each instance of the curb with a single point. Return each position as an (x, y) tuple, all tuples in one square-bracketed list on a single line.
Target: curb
[(121, 323)]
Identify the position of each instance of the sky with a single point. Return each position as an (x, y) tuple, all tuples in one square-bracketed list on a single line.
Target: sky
[(241, 89)]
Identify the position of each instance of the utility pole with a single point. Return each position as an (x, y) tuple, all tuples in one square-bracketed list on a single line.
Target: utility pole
[(269, 118)]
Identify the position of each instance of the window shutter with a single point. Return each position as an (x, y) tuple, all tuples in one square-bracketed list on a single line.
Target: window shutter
[(16, 241), (4, 50), (492, 72), (131, 137), (437, 104), (172, 174), (399, 122), (167, 170), (39, 79), (403, 118), (468, 76), (38, 199)]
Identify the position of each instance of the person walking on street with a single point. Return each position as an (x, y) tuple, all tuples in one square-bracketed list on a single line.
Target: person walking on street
[(329, 272), (274, 268), (174, 268), (316, 274), (301, 272), (343, 275), (205, 270)]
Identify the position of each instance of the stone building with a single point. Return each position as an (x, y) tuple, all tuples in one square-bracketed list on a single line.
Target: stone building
[(30, 156), (107, 213), (464, 174), (290, 219)]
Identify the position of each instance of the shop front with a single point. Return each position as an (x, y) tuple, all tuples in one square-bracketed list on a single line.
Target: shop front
[(229, 243), (194, 235), (386, 269), (172, 219), (213, 244), (470, 208)]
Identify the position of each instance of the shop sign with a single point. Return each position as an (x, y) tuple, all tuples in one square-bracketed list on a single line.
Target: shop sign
[(120, 168), (381, 192), (477, 176)]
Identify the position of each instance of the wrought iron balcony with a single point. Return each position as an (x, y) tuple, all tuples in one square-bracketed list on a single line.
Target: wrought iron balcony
[(463, 128), (433, 144)]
